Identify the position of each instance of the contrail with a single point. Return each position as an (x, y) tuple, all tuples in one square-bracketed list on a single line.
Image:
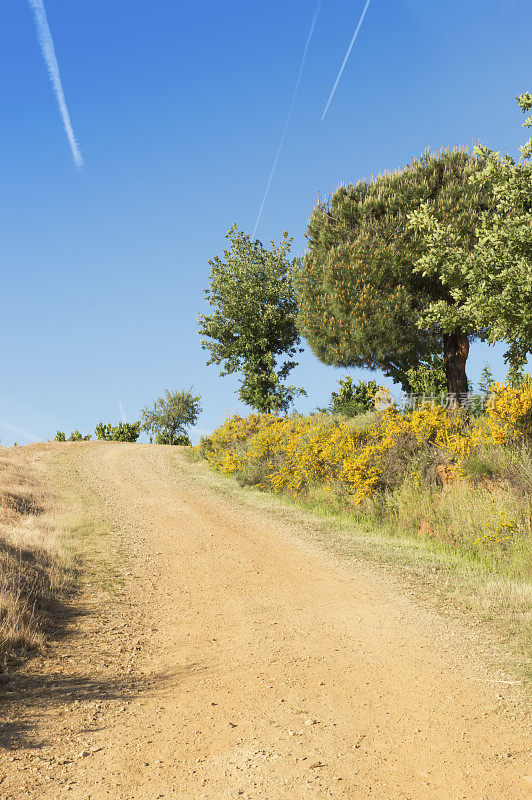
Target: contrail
[(20, 432), (122, 413), (337, 81), (48, 51), (289, 117)]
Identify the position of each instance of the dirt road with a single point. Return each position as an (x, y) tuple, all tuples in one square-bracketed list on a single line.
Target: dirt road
[(240, 661)]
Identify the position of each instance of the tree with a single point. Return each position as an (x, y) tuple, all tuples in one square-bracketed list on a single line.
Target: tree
[(480, 402), (171, 415), (253, 325), (487, 278), (360, 299)]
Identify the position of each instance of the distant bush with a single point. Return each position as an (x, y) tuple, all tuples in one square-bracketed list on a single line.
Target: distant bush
[(76, 436), (182, 439), (60, 437), (123, 432)]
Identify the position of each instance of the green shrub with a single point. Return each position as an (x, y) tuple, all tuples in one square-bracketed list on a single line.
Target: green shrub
[(123, 432), (352, 399), (254, 474), (180, 439), (361, 423), (103, 431), (76, 436), (428, 379), (60, 437)]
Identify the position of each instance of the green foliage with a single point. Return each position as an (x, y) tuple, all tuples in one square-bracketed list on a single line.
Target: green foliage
[(123, 432), (479, 402), (487, 274), (60, 437), (76, 436), (254, 474), (427, 379), (103, 431), (486, 380), (252, 329), (171, 415), (353, 399), (361, 302), (164, 438)]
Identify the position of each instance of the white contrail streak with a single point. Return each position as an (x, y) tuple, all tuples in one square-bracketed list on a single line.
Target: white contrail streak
[(19, 432), (337, 81), (48, 51), (122, 413), (289, 117)]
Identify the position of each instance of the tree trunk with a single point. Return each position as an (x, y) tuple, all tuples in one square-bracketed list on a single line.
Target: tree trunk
[(455, 352), (263, 380)]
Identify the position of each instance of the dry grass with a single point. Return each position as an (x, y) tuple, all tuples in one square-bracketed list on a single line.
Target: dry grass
[(34, 576)]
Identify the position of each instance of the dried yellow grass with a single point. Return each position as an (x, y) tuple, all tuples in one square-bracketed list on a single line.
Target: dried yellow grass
[(34, 578)]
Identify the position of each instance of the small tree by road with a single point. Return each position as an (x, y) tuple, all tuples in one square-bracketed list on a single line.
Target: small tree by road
[(252, 328), (170, 416)]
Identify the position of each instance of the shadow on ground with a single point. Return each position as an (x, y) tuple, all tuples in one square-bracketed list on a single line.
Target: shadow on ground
[(28, 701)]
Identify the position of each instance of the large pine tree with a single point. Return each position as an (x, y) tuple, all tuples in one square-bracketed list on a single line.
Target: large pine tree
[(361, 300)]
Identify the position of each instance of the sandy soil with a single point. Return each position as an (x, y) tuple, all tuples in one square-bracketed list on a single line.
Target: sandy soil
[(238, 660)]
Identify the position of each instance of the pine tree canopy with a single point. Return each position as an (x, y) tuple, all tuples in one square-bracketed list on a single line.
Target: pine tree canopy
[(361, 299)]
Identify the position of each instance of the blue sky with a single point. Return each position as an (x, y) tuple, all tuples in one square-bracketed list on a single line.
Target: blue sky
[(178, 108)]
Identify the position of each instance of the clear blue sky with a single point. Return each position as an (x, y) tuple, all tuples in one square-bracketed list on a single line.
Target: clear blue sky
[(178, 108)]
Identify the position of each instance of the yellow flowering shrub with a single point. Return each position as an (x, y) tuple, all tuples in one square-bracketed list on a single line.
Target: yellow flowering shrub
[(395, 438), (223, 448), (296, 453), (510, 412), (304, 451)]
